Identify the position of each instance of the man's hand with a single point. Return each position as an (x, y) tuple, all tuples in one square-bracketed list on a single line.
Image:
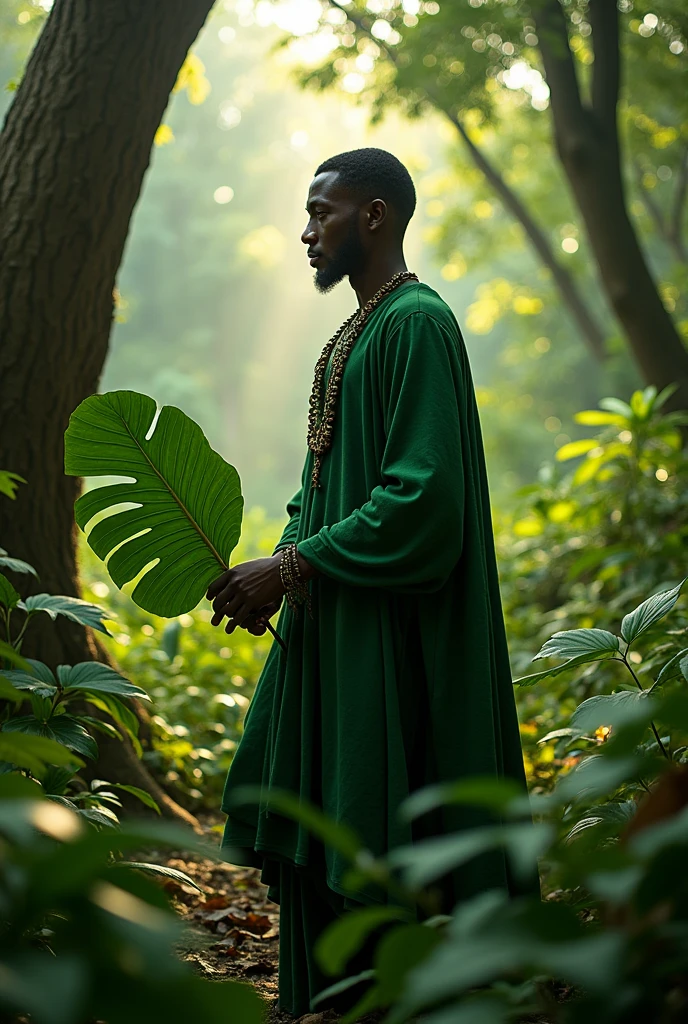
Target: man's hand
[(248, 594), (258, 625)]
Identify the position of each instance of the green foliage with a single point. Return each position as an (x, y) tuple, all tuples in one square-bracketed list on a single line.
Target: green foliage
[(9, 483), (70, 607), (16, 564), (48, 743), (85, 935), (583, 545), (185, 503), (200, 681)]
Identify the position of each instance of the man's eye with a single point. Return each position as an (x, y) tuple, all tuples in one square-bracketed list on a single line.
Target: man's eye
[(320, 215)]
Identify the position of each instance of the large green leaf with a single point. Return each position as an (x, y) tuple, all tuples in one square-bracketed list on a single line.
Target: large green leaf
[(548, 673), (8, 653), (401, 952), (649, 612), (612, 709), (188, 504), (341, 940), (594, 777), (480, 791), (97, 678), (15, 564), (105, 727), (61, 728), (37, 678), (429, 859), (571, 643), (9, 692), (162, 870), (32, 751), (9, 597), (672, 670), (140, 794), (333, 833), (119, 713), (73, 608)]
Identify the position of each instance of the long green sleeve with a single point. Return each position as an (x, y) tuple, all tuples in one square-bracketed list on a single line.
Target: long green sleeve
[(408, 535), (290, 532)]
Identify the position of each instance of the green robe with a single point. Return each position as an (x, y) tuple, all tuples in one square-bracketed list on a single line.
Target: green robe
[(401, 676)]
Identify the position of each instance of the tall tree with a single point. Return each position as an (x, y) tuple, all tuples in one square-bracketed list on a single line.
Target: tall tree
[(586, 132), (461, 58), (74, 149)]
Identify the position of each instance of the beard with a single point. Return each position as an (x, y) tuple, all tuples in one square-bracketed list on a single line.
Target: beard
[(349, 258)]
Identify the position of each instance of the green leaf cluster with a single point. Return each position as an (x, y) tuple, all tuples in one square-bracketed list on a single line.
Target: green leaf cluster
[(86, 934), (44, 731)]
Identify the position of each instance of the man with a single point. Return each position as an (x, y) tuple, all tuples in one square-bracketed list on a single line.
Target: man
[(396, 671)]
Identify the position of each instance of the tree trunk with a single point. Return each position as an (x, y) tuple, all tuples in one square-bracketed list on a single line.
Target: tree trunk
[(587, 141), (73, 153)]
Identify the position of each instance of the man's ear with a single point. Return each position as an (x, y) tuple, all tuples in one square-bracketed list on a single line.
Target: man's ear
[(376, 214)]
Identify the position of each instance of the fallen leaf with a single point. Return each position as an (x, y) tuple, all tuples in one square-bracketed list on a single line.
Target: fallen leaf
[(260, 967), (216, 903)]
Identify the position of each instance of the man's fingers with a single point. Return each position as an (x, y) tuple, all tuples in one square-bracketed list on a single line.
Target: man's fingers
[(220, 611), (217, 585), (226, 603), (222, 598), (236, 611), (239, 617), (256, 629)]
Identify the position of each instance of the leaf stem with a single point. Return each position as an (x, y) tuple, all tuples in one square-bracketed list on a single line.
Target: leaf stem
[(277, 637), (7, 625), (20, 635), (652, 724)]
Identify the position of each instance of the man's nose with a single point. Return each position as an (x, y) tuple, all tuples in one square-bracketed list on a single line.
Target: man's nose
[(308, 235)]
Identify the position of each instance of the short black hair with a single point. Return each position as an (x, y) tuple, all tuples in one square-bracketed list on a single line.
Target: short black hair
[(375, 174)]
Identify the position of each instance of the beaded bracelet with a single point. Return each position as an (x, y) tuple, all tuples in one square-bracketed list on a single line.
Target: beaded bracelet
[(295, 587)]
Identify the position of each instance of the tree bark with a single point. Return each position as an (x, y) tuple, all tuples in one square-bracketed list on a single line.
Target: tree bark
[(587, 141), (74, 149)]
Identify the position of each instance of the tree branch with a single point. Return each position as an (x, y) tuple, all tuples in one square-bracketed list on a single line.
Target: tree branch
[(570, 120), (669, 229), (604, 20), (649, 203), (676, 220)]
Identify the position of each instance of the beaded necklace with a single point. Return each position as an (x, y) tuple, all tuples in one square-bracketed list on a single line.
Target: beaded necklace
[(321, 411)]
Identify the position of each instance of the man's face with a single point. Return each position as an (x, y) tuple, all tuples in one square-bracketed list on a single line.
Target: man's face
[(332, 234)]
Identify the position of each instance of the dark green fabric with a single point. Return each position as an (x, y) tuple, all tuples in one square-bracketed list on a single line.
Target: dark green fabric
[(307, 907), (401, 677)]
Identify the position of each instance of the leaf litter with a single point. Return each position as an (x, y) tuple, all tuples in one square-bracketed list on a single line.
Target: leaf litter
[(232, 929)]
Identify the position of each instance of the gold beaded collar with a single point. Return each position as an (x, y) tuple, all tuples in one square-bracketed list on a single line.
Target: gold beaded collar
[(321, 412)]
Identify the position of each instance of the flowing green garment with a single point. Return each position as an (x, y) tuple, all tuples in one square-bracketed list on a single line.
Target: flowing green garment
[(401, 676)]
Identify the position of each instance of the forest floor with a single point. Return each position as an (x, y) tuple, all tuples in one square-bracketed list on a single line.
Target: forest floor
[(232, 928)]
